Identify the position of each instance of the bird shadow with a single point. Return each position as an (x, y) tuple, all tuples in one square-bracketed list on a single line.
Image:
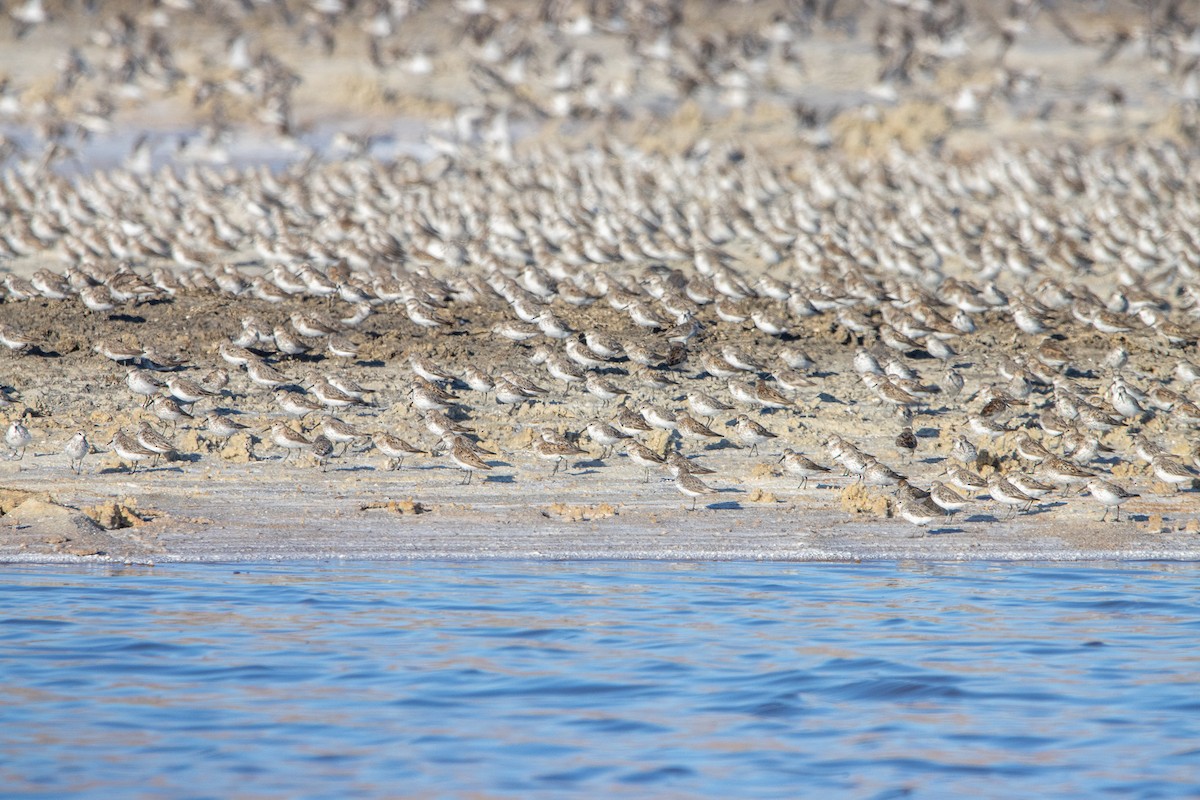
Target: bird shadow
[(944, 531), (725, 505), (135, 319), (582, 472), (375, 362), (141, 470), (983, 518), (499, 479), (928, 433), (189, 458)]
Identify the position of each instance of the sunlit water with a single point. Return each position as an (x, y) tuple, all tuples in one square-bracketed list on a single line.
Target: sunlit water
[(601, 679)]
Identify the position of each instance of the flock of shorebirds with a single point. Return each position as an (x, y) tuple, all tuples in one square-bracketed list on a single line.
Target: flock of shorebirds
[(503, 64), (1021, 326)]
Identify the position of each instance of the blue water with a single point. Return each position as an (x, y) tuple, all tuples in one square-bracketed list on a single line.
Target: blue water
[(499, 679)]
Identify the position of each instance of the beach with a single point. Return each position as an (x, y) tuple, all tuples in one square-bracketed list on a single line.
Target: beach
[(874, 234), (239, 500)]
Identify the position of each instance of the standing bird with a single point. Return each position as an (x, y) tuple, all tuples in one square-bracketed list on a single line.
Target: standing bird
[(965, 451), (689, 485), (77, 447), (322, 450), (919, 512), (801, 465), (558, 451), (1002, 491), (643, 456), (604, 435), (129, 449), (395, 448), (751, 434), (18, 438), (946, 498), (467, 461), (1109, 495), (154, 441)]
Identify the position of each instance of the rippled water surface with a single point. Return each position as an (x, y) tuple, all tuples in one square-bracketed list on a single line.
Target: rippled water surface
[(601, 679)]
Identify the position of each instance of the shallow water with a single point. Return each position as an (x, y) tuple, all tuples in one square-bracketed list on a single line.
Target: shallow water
[(600, 679)]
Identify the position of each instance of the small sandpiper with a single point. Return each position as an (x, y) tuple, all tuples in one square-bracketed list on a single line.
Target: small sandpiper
[(18, 437), (689, 485), (467, 460), (604, 435), (77, 448), (395, 448), (129, 449), (1109, 495), (802, 465), (751, 434), (289, 440), (643, 456)]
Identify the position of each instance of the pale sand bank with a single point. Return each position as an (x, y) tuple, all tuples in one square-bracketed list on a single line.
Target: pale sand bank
[(255, 513)]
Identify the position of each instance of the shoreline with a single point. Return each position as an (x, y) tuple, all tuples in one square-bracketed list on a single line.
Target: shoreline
[(186, 519)]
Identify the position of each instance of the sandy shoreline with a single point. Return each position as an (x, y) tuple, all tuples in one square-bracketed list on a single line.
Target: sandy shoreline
[(999, 212), (218, 502), (268, 512)]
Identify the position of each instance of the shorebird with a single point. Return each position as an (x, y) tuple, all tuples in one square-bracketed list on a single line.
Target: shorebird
[(706, 406), (322, 450), (557, 451), (287, 439), (690, 428), (1171, 471), (341, 432), (919, 512), (643, 456), (467, 460), (946, 498), (18, 437), (1109, 495), (142, 382), (751, 434), (76, 449), (689, 485), (395, 448), (129, 449), (805, 467), (222, 426), (604, 435), (1002, 491), (154, 441)]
